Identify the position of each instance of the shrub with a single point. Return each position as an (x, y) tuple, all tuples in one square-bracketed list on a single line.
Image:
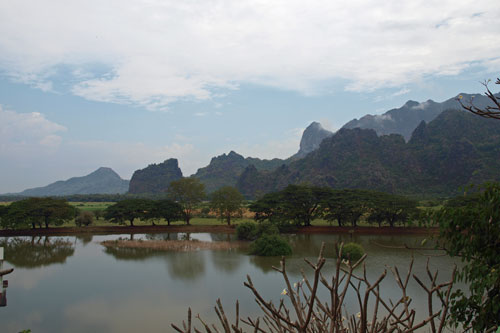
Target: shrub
[(85, 218), (352, 251), (246, 231), (270, 245), (267, 228)]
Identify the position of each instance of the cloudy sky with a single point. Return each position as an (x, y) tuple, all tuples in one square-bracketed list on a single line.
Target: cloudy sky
[(126, 83)]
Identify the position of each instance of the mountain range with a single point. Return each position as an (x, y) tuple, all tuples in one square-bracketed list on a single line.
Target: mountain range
[(410, 150), (441, 157)]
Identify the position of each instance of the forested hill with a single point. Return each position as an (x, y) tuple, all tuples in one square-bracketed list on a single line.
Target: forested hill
[(225, 170), (453, 150), (101, 181)]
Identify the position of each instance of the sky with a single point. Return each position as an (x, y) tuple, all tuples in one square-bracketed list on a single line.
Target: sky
[(127, 83)]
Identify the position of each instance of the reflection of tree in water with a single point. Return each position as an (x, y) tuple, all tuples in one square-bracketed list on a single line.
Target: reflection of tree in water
[(222, 237), (167, 236), (84, 238), (186, 265), (226, 261), (126, 253), (37, 252), (265, 264)]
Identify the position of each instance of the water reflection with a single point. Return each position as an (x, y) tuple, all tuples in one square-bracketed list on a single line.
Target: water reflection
[(36, 252), (133, 254), (84, 238), (186, 265), (226, 261)]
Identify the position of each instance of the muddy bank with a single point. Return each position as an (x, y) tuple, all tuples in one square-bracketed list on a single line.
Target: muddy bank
[(222, 229)]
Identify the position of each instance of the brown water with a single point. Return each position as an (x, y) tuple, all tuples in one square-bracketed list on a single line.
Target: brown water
[(73, 284)]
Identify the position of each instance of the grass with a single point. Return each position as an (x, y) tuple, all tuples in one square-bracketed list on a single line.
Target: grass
[(173, 245), (91, 206), (197, 221)]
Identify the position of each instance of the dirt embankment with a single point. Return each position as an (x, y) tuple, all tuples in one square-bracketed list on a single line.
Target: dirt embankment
[(222, 229)]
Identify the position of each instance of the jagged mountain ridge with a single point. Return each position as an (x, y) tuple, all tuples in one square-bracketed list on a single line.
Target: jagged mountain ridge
[(102, 181), (312, 137), (454, 149), (225, 169), (405, 119), (155, 178)]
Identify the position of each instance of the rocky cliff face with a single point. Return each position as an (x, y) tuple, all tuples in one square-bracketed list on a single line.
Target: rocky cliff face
[(155, 178), (311, 138), (405, 119), (453, 150), (101, 181)]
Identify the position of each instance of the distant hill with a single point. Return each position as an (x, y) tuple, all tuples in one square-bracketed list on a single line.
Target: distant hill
[(453, 150), (405, 119), (101, 181), (155, 178)]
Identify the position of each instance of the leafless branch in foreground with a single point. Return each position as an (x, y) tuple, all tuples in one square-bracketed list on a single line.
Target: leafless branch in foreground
[(308, 313), (487, 112)]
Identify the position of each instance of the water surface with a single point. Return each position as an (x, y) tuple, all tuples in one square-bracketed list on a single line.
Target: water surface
[(73, 284)]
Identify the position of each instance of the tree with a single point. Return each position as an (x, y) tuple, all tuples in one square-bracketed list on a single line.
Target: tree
[(299, 204), (302, 203), (472, 232), (85, 219), (227, 202), (347, 205), (38, 211), (489, 111), (127, 210), (390, 208), (168, 210), (187, 192)]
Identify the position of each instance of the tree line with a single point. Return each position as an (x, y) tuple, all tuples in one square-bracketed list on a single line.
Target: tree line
[(299, 205), (295, 205)]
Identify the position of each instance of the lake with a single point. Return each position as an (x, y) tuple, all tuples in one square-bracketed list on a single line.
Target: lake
[(74, 284)]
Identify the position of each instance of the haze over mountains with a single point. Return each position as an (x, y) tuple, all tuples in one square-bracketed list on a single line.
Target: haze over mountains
[(101, 181), (413, 149), (405, 119)]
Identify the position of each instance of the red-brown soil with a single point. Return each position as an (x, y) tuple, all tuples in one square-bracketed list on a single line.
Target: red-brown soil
[(102, 230)]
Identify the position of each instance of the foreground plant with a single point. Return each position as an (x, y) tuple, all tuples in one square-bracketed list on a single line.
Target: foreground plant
[(308, 313)]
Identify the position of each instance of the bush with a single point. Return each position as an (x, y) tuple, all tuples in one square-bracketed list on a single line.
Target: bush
[(352, 252), (267, 228), (246, 231), (85, 218), (270, 245)]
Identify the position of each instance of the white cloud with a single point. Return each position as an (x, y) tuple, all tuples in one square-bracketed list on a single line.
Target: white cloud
[(420, 106), (163, 51), (29, 130)]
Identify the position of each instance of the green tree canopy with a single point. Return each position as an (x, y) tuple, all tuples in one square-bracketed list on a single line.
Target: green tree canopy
[(390, 208), (38, 211), (168, 210), (472, 232), (347, 205), (227, 202), (187, 192), (128, 210), (298, 204)]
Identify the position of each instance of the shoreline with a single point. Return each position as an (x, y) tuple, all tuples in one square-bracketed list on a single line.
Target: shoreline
[(223, 229)]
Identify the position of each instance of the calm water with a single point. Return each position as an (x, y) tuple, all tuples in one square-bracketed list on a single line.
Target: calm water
[(73, 284)]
